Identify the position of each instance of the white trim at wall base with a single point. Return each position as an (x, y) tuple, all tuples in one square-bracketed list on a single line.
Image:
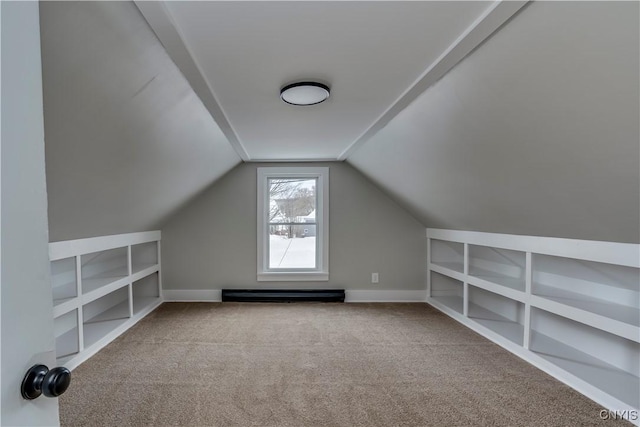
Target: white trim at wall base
[(192, 295), (385, 295), (215, 295)]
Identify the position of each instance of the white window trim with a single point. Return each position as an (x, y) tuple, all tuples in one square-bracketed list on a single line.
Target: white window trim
[(321, 273)]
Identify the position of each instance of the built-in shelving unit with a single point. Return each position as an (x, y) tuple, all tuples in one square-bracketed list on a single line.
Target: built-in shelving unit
[(570, 307), (101, 287), (447, 291)]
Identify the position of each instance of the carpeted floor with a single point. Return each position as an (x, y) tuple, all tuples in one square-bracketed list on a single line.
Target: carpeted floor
[(243, 364)]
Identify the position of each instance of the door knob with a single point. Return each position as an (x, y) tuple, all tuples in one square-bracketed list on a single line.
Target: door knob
[(41, 380)]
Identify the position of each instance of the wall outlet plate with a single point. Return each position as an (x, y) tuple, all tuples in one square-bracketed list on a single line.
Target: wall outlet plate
[(375, 278)]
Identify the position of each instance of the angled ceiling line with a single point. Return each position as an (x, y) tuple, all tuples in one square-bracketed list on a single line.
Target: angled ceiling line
[(159, 19), (295, 160), (481, 29)]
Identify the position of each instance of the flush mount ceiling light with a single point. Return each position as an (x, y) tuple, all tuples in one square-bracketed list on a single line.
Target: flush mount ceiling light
[(304, 93)]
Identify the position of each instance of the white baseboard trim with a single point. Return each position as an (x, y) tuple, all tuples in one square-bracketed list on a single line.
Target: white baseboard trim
[(384, 295), (215, 295), (192, 295)]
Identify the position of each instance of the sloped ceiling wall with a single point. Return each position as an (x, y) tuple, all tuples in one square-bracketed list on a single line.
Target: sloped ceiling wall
[(127, 140), (536, 132)]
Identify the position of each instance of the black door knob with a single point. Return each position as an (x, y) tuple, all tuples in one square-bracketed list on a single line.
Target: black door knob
[(40, 380), (56, 381)]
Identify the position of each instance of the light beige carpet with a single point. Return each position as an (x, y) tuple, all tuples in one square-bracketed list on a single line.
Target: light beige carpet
[(254, 364)]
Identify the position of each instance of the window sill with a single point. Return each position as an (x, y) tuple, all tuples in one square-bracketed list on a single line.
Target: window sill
[(316, 276)]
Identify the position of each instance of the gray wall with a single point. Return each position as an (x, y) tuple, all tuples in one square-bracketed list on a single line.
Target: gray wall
[(536, 132), (211, 244), (127, 140), (27, 309)]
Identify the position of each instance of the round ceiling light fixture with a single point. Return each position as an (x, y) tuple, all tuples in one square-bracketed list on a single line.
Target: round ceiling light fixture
[(304, 93)]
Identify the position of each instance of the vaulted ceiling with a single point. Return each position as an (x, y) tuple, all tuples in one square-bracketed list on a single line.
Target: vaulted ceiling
[(498, 116), (375, 56)]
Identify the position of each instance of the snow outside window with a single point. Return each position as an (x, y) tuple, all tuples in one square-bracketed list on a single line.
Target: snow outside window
[(293, 223)]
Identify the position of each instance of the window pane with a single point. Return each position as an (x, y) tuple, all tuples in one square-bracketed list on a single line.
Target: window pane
[(292, 200)]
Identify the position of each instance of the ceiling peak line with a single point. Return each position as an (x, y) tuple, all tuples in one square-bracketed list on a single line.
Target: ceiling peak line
[(480, 30), (295, 160), (159, 19)]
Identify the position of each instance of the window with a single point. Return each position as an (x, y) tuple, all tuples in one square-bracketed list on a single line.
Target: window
[(293, 224)]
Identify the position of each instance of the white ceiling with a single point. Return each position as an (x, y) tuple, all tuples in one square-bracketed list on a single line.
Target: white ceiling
[(376, 56)]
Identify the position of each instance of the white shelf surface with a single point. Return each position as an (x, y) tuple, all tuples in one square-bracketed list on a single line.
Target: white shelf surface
[(448, 272), (69, 290), (617, 383), (143, 271), (497, 289), (618, 312), (63, 360), (98, 281), (604, 323), (67, 344), (137, 268), (493, 277), (65, 306), (57, 302), (118, 311), (454, 303), (453, 266), (69, 248), (509, 329), (94, 332), (140, 303)]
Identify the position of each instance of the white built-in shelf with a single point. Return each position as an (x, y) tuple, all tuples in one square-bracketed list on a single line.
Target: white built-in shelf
[(143, 267), (503, 316), (622, 313), (570, 307), (67, 344), (101, 287), (501, 266), (505, 328), (92, 283), (57, 302), (449, 255), (94, 332), (620, 384), (63, 280), (488, 276), (66, 332), (447, 291), (141, 303), (118, 311), (456, 267), (454, 303), (145, 292)]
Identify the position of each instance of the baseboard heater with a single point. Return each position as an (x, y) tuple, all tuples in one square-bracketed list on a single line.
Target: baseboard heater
[(283, 295)]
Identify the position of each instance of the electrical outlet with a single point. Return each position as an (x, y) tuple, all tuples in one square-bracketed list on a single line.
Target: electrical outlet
[(375, 278)]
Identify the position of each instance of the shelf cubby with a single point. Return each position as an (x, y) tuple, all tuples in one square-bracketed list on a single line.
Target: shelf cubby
[(447, 254), (101, 287), (146, 292), (608, 290), (143, 256), (447, 291), (502, 315), (570, 307), (603, 360), (104, 315), (103, 268), (504, 267), (63, 280), (66, 333)]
